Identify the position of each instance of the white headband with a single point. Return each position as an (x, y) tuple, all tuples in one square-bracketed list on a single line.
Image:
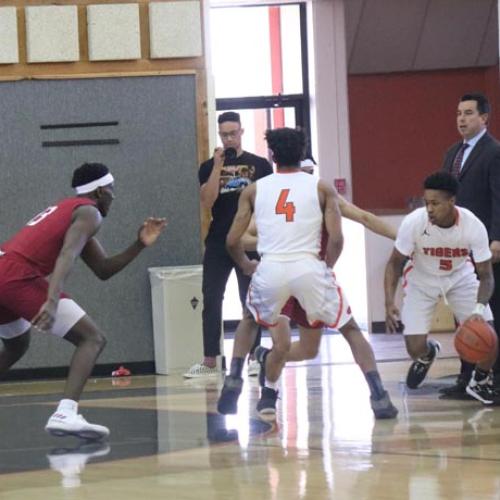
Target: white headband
[(92, 186)]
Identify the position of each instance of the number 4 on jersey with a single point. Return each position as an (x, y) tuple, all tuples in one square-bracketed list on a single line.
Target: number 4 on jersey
[(284, 207)]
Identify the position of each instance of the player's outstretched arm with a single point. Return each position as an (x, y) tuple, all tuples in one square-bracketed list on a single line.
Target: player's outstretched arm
[(367, 219), (393, 270), (333, 222), (240, 224), (105, 267), (86, 222)]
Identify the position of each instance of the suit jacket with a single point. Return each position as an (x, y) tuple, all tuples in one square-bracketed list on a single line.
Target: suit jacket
[(479, 182)]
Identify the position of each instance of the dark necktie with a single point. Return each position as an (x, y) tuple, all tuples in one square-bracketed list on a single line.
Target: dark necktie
[(457, 162)]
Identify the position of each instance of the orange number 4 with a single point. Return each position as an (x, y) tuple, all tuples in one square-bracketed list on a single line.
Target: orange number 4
[(285, 207)]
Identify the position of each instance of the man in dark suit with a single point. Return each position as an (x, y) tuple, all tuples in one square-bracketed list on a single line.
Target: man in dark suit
[(475, 161)]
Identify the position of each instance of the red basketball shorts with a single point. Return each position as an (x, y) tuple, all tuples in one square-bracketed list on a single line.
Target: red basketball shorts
[(22, 293)]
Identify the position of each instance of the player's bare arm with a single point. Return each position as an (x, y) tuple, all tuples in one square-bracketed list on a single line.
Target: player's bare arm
[(367, 219), (240, 224), (210, 190), (249, 238), (484, 271), (329, 201), (86, 223), (393, 271), (105, 267)]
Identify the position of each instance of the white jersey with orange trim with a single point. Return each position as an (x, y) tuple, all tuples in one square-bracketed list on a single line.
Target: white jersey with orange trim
[(288, 216), (442, 252)]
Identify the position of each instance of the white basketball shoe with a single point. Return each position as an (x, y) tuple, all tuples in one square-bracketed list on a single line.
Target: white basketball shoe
[(61, 424)]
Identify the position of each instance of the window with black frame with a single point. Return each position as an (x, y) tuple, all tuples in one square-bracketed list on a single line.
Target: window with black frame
[(259, 60)]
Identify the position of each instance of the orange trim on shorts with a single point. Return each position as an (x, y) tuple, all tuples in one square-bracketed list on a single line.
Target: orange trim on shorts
[(339, 314), (341, 307), (258, 319)]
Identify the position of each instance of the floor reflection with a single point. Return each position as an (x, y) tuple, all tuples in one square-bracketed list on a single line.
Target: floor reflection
[(71, 462), (167, 438)]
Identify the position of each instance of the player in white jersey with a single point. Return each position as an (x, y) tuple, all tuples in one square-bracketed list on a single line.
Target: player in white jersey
[(290, 210), (307, 346), (435, 250)]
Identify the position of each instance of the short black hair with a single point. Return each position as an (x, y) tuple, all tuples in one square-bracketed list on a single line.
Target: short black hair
[(287, 144), (88, 172), (483, 105), (229, 116), (442, 181)]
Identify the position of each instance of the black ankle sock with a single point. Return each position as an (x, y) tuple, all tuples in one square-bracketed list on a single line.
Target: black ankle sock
[(236, 367), (375, 384), (480, 375)]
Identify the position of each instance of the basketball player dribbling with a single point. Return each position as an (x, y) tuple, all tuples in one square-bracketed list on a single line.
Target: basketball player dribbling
[(48, 245), (433, 252), (307, 346)]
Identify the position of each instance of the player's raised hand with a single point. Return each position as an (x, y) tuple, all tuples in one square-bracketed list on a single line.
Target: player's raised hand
[(151, 228)]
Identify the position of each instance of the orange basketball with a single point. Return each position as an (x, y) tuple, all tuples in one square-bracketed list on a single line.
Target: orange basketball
[(475, 341)]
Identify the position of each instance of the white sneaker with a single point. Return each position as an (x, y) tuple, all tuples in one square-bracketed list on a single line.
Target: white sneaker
[(60, 425), (200, 370), (253, 368)]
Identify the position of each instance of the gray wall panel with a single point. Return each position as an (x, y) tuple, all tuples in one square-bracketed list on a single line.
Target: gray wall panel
[(155, 167)]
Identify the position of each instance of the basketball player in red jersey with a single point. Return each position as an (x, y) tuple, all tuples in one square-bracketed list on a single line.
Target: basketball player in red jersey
[(49, 245), (307, 346)]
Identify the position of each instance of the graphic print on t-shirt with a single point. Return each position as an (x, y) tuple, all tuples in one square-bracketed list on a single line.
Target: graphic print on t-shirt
[(235, 178)]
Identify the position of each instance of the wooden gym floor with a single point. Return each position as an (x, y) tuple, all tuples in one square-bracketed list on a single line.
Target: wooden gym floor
[(167, 440)]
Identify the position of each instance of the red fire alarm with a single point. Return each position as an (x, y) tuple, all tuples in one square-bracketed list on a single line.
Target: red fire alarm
[(340, 185)]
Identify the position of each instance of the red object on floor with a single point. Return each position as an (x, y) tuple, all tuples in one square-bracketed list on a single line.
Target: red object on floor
[(121, 372)]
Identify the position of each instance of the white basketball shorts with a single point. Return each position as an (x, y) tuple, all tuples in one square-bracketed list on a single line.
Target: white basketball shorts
[(309, 280), (421, 297)]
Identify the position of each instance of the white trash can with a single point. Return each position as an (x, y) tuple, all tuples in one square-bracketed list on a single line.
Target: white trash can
[(177, 325)]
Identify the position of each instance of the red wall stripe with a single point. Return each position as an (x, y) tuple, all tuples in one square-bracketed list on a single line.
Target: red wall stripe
[(276, 62)]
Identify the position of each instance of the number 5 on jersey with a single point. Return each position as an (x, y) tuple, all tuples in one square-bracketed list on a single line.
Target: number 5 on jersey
[(284, 207)]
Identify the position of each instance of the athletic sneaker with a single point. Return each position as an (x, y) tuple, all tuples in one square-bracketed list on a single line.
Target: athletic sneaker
[(418, 369), (266, 407), (481, 390), (253, 368), (260, 355), (457, 390), (60, 424), (383, 407), (228, 399), (200, 370)]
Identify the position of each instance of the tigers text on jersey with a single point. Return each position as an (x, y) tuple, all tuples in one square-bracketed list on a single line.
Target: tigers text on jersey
[(438, 251), (41, 239), (288, 215)]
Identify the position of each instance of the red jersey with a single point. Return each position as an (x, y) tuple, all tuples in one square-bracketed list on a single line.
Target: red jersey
[(41, 240)]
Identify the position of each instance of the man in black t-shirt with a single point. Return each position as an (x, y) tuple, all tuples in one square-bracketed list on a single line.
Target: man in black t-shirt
[(222, 178)]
